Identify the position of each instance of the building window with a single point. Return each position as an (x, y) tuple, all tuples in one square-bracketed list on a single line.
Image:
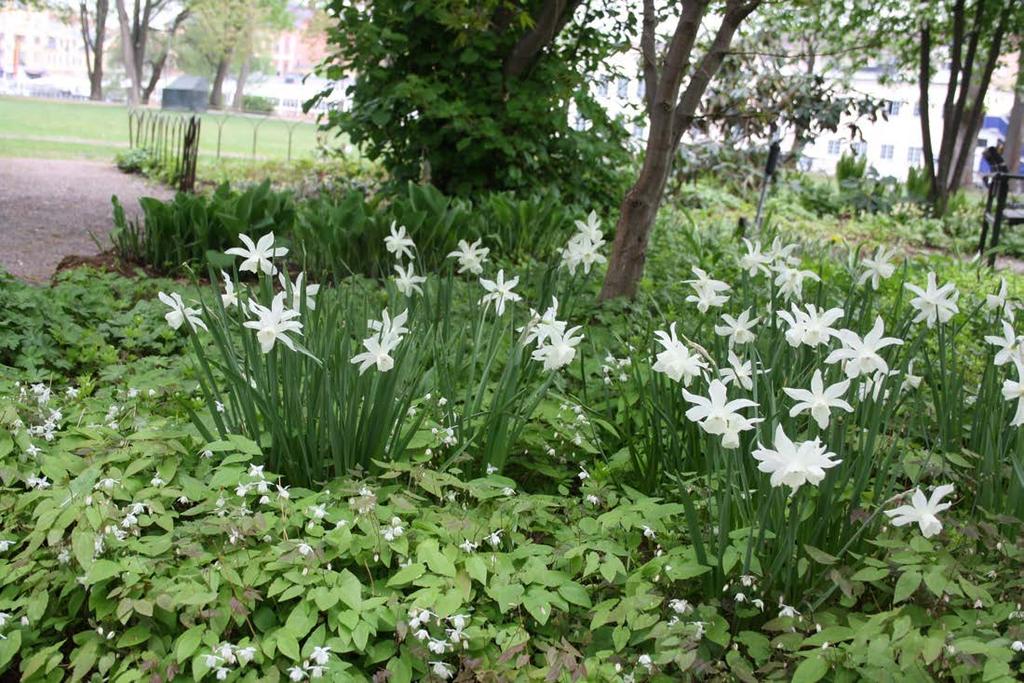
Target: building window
[(914, 155), (641, 90), (887, 151), (859, 148), (917, 108), (602, 87), (894, 108), (833, 147), (638, 130), (623, 90)]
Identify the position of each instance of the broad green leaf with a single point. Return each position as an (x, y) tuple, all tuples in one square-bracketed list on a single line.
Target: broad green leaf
[(908, 582), (810, 670)]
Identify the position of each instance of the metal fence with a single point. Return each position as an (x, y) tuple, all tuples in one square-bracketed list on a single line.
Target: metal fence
[(171, 140), (256, 122)]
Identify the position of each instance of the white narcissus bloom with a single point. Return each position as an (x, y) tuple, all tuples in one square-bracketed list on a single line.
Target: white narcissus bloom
[(542, 326), (274, 324), (559, 350), (719, 416), (794, 464), (1009, 345), (1014, 391), (499, 290), (229, 298), (180, 313), (441, 670), (398, 243), (790, 281), (407, 281), (819, 400), (877, 268), (676, 361), (739, 371), (754, 261), (387, 335), (471, 257), (297, 292), (738, 329), (1001, 301), (923, 511), (934, 303), (256, 256), (582, 248), (781, 254), (860, 356), (708, 292), (811, 327)]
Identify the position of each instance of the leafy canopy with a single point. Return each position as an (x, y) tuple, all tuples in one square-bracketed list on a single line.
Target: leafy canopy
[(441, 93)]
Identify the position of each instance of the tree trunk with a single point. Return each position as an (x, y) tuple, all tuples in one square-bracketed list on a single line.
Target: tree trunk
[(94, 45), (217, 90), (158, 65), (1015, 129), (129, 54), (238, 102), (670, 119)]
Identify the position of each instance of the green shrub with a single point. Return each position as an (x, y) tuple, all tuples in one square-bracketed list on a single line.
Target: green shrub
[(257, 104), (181, 232)]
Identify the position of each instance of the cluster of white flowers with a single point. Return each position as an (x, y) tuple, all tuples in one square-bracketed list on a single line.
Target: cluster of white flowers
[(708, 293), (556, 341), (387, 335), (450, 635), (584, 247), (471, 257), (614, 369), (224, 656)]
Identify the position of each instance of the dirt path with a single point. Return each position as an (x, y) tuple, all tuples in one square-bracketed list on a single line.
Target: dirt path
[(48, 208)]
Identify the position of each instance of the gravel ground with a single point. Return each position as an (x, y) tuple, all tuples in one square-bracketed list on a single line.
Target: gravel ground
[(49, 208)]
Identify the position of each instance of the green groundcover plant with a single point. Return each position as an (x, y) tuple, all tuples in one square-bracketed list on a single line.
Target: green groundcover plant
[(786, 460)]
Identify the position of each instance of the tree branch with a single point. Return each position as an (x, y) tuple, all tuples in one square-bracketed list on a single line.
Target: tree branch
[(649, 54), (552, 18), (709, 64), (923, 80)]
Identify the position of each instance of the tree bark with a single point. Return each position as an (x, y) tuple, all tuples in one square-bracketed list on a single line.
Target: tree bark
[(1015, 129), (129, 54), (238, 102), (158, 65), (671, 115), (94, 42), (550, 20), (217, 89)]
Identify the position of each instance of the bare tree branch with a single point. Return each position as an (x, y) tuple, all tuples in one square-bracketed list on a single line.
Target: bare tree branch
[(552, 18)]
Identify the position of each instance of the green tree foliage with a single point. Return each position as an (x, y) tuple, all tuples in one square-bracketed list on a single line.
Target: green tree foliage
[(475, 96)]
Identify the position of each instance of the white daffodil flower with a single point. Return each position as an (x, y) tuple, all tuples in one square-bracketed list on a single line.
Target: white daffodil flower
[(754, 261), (819, 400), (790, 281), (180, 313), (810, 326), (274, 324), (877, 268), (499, 291), (676, 361), (559, 350), (1010, 345), (407, 281), (471, 257), (256, 256), (794, 464), (934, 304), (399, 243), (739, 329), (708, 292), (717, 415), (923, 511), (860, 355), (229, 298), (296, 289)]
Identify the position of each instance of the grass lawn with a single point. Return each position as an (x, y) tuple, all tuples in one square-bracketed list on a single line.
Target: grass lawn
[(54, 129)]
